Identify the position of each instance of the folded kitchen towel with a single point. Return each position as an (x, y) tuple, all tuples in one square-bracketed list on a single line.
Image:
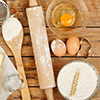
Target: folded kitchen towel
[(10, 78)]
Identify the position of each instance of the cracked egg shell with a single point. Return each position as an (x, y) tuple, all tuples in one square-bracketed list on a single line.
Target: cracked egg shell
[(58, 47)]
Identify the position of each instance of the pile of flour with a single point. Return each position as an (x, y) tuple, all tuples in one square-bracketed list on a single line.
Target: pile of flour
[(86, 84), (11, 28)]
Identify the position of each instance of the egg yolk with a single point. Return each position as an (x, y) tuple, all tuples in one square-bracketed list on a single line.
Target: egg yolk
[(66, 19)]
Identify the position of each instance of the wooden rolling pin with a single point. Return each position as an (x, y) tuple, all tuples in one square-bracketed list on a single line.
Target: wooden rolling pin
[(41, 48)]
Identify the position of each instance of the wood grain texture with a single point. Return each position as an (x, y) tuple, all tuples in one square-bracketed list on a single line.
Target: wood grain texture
[(92, 33)]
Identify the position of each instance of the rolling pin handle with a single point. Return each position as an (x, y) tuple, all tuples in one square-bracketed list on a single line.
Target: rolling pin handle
[(49, 94), (32, 3)]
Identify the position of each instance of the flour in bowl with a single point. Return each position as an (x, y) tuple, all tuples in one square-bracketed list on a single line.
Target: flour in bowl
[(87, 81)]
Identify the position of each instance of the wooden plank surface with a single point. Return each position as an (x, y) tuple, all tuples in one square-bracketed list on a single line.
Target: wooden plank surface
[(92, 33)]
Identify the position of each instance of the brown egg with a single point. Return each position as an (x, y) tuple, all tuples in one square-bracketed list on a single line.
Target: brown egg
[(73, 45), (58, 47)]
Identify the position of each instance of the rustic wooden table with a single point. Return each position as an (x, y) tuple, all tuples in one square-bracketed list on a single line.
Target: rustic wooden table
[(91, 32)]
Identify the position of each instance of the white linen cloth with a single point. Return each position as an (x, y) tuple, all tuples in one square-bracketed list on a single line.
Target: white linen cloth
[(8, 69)]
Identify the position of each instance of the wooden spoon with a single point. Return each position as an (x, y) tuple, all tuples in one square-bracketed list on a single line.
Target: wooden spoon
[(15, 45)]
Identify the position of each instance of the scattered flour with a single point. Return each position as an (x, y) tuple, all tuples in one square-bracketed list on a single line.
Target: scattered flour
[(41, 47), (86, 84), (11, 28), (57, 43), (53, 45)]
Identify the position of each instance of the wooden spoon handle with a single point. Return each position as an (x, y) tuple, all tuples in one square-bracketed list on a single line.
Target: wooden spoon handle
[(20, 68), (49, 94), (32, 3)]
